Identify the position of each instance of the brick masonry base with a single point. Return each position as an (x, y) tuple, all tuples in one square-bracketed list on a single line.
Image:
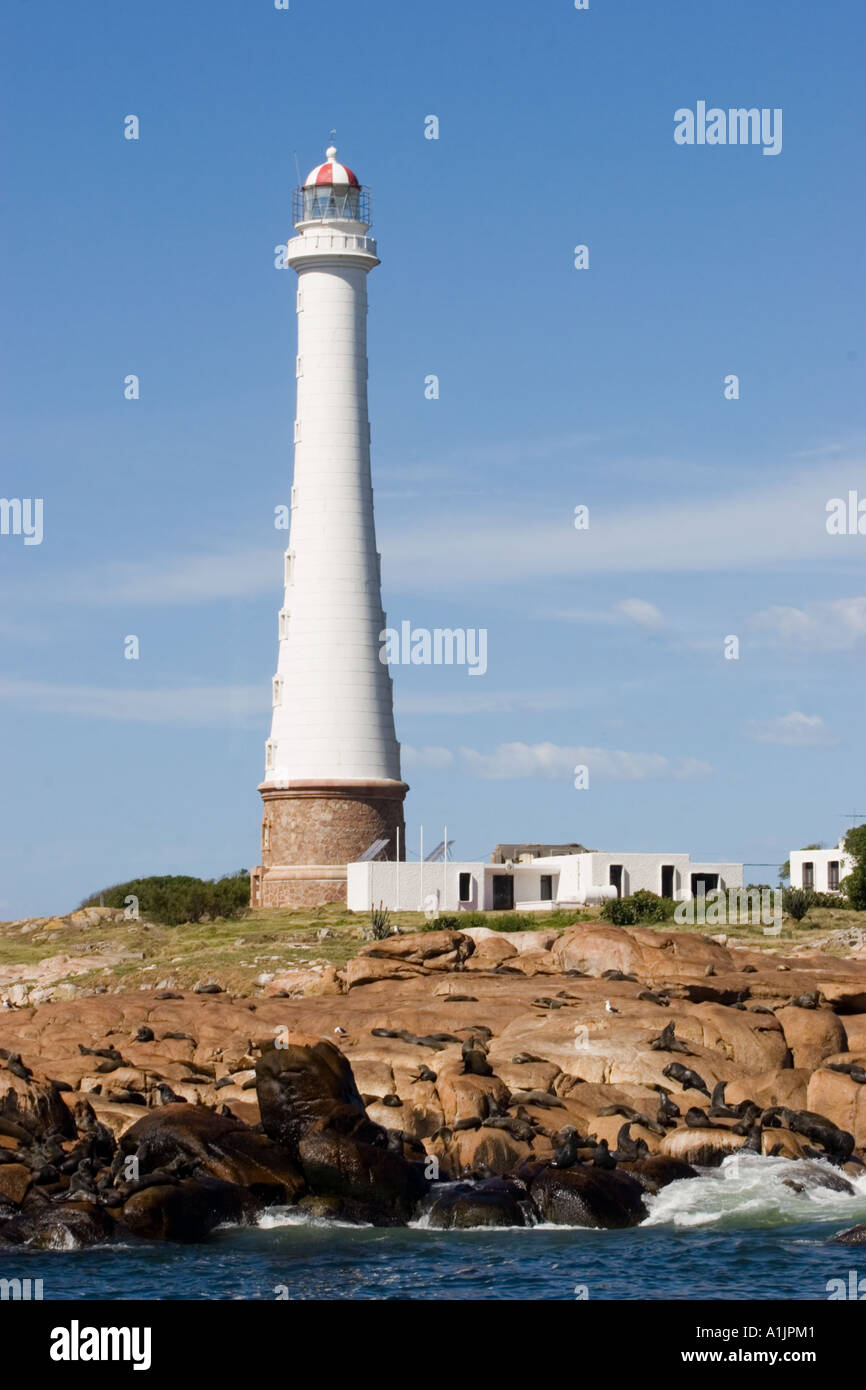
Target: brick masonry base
[(310, 835)]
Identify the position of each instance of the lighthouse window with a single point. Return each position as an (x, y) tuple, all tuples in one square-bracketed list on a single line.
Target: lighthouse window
[(289, 556), (299, 366), (284, 624), (269, 756), (278, 690)]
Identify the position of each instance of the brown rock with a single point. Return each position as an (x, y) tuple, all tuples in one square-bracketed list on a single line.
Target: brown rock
[(812, 1035), (15, 1182)]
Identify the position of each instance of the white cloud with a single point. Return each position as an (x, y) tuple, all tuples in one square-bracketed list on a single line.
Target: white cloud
[(431, 758), (640, 611), (555, 762), (794, 730), (201, 707), (835, 625)]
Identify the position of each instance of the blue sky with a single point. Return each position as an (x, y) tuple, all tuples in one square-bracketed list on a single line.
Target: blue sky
[(559, 387)]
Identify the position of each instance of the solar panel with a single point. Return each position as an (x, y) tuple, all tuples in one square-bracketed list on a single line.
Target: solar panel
[(440, 852), (373, 852)]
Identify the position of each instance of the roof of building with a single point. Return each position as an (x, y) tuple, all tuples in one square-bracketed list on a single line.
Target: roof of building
[(502, 853), (331, 172)]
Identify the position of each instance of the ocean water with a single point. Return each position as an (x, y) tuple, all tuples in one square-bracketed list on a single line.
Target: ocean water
[(756, 1228)]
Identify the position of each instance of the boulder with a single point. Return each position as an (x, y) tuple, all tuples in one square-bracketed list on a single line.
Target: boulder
[(588, 1196), (216, 1146), (309, 1084), (811, 1034), (70, 1226), (373, 1184), (492, 1202), (15, 1180), (185, 1211), (706, 1148)]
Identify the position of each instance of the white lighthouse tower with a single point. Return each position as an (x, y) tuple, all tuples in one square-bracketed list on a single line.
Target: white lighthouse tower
[(332, 783)]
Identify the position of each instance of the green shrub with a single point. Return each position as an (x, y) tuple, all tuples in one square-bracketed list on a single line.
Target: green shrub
[(172, 899), (797, 901), (380, 923), (639, 907)]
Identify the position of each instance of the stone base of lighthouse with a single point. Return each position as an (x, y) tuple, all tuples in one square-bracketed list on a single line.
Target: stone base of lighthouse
[(312, 830)]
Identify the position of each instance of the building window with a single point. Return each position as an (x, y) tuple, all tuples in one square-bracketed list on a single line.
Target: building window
[(808, 874), (278, 690), (297, 431), (269, 757), (299, 366), (465, 888), (284, 624), (300, 300), (266, 836), (833, 876), (290, 557), (546, 893), (615, 878)]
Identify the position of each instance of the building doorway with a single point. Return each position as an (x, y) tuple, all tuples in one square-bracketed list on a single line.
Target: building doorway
[(702, 884), (503, 892), (615, 878), (667, 884)]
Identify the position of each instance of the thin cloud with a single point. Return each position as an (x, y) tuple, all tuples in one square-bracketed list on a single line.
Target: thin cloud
[(555, 762), (203, 707), (794, 730), (836, 625)]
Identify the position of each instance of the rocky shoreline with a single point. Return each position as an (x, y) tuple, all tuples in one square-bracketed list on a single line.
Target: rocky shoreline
[(457, 1078)]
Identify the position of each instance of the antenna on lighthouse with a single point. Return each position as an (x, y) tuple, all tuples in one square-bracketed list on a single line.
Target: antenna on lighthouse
[(298, 167)]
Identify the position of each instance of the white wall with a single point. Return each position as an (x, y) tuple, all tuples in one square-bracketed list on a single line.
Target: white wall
[(821, 860), (577, 878)]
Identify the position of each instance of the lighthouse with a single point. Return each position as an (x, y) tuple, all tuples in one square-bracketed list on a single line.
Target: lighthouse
[(332, 789)]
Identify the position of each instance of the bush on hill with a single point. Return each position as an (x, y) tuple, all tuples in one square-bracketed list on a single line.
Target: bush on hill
[(175, 898)]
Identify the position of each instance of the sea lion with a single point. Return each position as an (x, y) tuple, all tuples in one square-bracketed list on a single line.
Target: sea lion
[(167, 994), (144, 1034), (475, 1061), (541, 1098), (178, 1037), (523, 1058), (127, 1097), (628, 1149), (806, 1001), (688, 1079), (699, 1119), (394, 1101), (719, 1108), (17, 1067), (471, 1122), (667, 1107), (425, 1074), (853, 1069), (603, 1158), (617, 975), (517, 1128), (167, 1096), (460, 998), (546, 1003), (566, 1155), (667, 1041), (650, 997)]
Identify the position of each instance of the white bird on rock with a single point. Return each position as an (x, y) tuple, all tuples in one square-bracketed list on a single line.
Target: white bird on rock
[(608, 1007)]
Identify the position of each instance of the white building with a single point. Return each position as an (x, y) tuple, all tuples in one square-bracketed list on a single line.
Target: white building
[(820, 869), (532, 884)]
